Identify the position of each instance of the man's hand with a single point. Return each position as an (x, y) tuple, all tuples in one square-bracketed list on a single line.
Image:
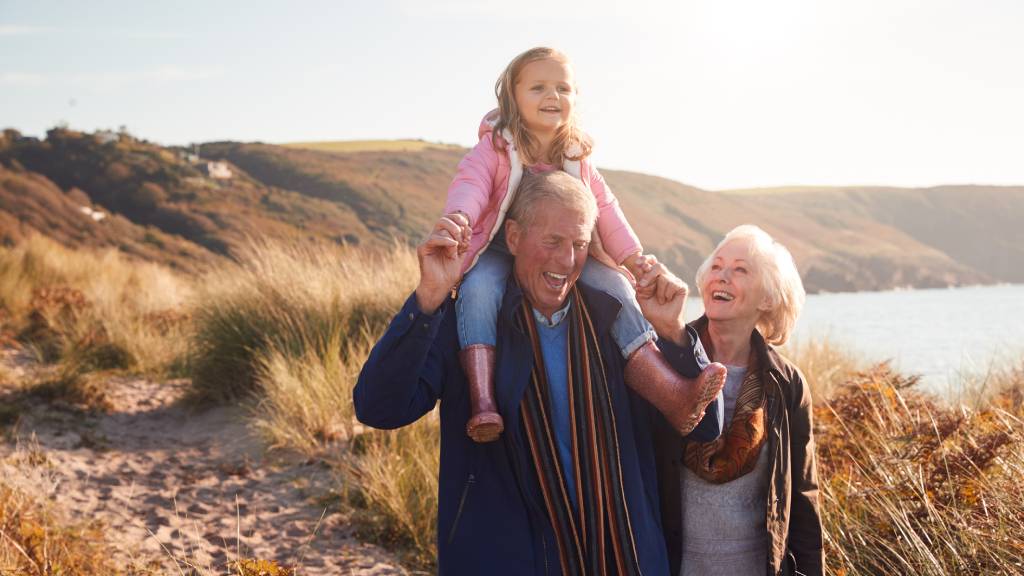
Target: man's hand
[(440, 260), (662, 298)]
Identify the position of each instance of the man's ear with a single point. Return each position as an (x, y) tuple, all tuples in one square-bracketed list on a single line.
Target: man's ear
[(513, 233)]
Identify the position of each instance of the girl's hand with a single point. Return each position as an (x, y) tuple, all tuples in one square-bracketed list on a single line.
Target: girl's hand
[(641, 266), (658, 283), (662, 300), (638, 264), (465, 230)]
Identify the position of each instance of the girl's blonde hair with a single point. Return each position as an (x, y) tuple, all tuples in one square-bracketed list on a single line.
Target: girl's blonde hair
[(570, 143), (781, 280)]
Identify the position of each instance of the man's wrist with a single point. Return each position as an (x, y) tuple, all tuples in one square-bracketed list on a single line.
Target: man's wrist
[(429, 300)]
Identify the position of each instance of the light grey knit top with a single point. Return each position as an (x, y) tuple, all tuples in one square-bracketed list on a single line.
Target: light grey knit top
[(724, 525)]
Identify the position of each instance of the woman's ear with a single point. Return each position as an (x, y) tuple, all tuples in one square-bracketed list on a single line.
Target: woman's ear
[(513, 232)]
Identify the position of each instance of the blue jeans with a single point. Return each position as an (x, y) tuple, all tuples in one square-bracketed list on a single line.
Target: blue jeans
[(483, 288)]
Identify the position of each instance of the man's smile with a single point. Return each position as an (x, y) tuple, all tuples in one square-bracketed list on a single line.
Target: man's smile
[(555, 281)]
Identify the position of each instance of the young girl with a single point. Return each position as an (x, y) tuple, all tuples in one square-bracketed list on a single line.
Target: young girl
[(535, 128)]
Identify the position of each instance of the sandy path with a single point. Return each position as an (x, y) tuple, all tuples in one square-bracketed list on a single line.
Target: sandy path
[(189, 488)]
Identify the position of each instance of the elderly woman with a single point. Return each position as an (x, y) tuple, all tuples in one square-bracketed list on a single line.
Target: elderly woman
[(747, 502)]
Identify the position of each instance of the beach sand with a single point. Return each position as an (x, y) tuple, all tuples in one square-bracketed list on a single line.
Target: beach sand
[(182, 487)]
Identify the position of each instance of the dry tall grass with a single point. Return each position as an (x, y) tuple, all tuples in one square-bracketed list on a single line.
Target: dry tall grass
[(911, 485), (289, 329), (390, 477), (290, 298), (77, 299), (305, 400), (825, 365), (260, 324), (86, 311), (873, 429)]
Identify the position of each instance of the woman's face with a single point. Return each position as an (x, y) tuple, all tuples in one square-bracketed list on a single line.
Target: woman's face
[(733, 288)]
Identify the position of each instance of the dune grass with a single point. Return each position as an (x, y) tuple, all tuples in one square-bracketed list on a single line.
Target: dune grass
[(291, 302), (305, 400), (94, 306), (85, 311), (390, 480), (824, 364), (910, 483), (288, 331)]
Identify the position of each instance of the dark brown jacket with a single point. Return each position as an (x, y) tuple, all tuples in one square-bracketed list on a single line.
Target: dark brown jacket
[(794, 525)]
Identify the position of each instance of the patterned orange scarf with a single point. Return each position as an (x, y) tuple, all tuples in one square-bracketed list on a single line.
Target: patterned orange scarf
[(735, 452)]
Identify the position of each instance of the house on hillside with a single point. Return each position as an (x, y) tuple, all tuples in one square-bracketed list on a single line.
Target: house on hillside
[(96, 215), (219, 170)]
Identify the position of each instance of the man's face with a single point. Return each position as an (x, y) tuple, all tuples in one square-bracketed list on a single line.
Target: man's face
[(549, 254)]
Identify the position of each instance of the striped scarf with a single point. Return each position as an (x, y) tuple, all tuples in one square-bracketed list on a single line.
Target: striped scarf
[(594, 537)]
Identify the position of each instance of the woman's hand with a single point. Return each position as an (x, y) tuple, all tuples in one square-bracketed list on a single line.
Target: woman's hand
[(440, 258), (662, 298)]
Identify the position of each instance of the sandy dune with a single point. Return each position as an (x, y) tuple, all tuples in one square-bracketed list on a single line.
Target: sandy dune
[(187, 488)]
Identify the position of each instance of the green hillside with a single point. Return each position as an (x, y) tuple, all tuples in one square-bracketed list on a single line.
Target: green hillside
[(169, 207)]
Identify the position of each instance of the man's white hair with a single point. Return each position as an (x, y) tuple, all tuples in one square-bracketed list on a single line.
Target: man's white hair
[(774, 265), (557, 186)]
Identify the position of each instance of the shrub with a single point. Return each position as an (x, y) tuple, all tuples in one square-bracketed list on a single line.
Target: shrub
[(149, 196)]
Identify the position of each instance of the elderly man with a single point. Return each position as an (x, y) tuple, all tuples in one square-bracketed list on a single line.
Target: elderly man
[(572, 486)]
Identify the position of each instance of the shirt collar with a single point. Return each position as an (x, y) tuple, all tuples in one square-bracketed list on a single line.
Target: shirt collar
[(556, 318)]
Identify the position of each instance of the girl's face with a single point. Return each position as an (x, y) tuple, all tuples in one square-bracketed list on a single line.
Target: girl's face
[(545, 94)]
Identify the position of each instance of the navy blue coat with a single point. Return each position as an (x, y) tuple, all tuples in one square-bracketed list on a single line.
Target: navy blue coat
[(491, 516)]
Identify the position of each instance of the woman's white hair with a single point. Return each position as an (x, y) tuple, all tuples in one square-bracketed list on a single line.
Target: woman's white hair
[(777, 270)]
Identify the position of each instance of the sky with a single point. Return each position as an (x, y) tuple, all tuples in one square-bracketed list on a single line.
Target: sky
[(718, 94)]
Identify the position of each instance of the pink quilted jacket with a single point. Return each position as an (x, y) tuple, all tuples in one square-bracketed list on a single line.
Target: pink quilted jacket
[(485, 184)]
